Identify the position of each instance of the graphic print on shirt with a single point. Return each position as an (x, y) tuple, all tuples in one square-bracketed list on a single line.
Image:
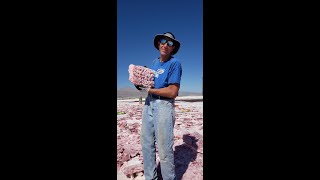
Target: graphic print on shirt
[(159, 71)]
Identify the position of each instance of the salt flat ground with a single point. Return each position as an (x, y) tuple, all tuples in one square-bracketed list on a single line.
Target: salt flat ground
[(188, 141)]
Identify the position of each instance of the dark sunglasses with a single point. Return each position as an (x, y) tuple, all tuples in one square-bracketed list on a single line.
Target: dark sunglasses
[(169, 43)]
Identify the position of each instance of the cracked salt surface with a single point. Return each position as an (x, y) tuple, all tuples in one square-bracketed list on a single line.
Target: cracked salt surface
[(188, 141)]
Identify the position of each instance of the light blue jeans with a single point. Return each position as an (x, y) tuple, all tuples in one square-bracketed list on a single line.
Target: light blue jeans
[(158, 120)]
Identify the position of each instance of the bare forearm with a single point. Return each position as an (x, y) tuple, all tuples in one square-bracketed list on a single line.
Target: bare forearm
[(170, 91)]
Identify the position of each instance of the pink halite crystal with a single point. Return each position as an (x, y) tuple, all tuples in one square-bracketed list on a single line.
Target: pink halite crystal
[(140, 75)]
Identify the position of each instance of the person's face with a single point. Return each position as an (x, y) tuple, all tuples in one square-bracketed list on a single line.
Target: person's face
[(166, 46)]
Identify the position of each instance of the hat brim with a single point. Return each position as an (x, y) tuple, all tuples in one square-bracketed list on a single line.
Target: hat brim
[(176, 43)]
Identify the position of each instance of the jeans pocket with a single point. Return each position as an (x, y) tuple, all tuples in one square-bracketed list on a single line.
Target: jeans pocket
[(167, 103)]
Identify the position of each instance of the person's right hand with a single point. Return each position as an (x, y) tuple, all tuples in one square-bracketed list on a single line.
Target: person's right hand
[(138, 87), (142, 88)]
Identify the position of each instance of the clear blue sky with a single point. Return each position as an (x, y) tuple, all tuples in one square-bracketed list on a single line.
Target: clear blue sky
[(138, 21)]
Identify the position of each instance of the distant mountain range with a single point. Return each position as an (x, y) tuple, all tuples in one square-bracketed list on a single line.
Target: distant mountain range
[(128, 92)]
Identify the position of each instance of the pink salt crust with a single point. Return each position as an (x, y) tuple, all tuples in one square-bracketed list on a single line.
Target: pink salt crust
[(140, 75), (188, 141)]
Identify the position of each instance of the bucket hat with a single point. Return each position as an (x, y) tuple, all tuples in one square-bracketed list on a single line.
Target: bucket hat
[(176, 43)]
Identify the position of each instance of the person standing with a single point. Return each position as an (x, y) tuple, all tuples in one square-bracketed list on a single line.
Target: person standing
[(140, 100), (158, 115)]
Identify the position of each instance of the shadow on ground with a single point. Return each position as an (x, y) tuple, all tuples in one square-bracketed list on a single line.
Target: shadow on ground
[(184, 154)]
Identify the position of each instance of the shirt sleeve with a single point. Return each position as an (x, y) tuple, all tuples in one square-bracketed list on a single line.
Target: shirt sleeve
[(175, 73)]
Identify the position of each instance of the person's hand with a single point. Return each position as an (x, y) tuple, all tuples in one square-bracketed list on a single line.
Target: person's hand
[(138, 87), (142, 88), (145, 89)]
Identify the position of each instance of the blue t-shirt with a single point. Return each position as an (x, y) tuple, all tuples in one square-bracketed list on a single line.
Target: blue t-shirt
[(167, 73)]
